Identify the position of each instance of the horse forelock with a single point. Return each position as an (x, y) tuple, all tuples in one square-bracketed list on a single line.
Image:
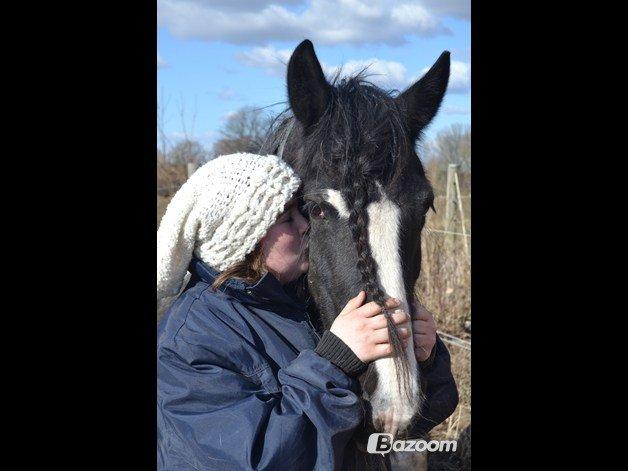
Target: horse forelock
[(362, 133)]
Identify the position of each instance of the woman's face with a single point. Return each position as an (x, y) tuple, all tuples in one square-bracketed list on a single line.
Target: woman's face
[(282, 247)]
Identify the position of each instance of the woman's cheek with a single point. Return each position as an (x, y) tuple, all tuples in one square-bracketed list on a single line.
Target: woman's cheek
[(291, 244)]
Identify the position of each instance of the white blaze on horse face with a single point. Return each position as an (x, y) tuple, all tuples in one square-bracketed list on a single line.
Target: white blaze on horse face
[(336, 199), (389, 406)]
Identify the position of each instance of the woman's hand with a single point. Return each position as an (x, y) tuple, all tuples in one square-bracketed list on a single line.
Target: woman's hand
[(364, 331), (423, 331)]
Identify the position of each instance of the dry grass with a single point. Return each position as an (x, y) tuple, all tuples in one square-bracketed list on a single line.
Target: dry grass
[(444, 288), (170, 177), (162, 204)]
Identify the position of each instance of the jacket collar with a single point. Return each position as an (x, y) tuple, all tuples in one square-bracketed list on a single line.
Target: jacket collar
[(267, 292)]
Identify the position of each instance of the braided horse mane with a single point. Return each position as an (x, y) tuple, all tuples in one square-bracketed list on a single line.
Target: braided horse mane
[(362, 173)]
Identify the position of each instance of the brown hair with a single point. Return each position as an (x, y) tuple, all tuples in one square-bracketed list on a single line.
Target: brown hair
[(249, 270)]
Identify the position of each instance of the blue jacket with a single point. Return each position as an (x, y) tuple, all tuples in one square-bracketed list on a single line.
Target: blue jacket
[(239, 385)]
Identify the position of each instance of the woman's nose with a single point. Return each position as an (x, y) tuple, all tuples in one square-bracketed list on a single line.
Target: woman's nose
[(302, 222)]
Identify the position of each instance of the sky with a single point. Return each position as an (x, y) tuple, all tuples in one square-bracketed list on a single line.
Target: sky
[(217, 56)]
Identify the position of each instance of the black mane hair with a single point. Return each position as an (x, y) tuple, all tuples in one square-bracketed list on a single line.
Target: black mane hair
[(362, 132)]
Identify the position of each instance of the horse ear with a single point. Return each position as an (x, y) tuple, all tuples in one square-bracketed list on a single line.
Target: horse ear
[(422, 100), (308, 90)]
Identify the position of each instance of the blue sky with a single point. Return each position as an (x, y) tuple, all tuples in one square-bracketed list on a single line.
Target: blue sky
[(217, 56)]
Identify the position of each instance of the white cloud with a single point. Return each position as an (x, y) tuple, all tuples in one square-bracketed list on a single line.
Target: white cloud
[(271, 60), (325, 22), (413, 15), (244, 4), (161, 63), (459, 77), (455, 8), (386, 74), (275, 61)]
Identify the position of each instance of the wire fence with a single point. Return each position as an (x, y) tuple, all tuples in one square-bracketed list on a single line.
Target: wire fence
[(453, 340), (429, 229)]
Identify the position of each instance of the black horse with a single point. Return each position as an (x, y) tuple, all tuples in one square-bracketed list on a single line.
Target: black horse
[(366, 194)]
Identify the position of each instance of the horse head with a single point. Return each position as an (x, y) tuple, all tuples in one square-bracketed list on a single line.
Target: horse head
[(366, 195)]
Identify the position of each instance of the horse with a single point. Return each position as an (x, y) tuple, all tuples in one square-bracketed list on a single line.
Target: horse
[(366, 195)]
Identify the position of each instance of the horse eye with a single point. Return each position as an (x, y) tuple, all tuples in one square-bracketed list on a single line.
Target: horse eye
[(317, 212)]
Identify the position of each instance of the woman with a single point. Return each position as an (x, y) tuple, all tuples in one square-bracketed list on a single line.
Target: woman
[(244, 380)]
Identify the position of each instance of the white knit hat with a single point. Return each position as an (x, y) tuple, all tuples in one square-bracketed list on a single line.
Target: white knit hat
[(220, 214)]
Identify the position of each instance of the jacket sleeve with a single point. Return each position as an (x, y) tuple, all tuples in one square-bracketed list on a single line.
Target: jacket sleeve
[(212, 417), (441, 393)]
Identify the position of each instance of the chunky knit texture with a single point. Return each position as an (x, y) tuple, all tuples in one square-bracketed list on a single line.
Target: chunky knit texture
[(220, 214)]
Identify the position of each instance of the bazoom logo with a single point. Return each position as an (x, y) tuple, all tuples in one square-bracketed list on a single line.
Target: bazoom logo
[(383, 443)]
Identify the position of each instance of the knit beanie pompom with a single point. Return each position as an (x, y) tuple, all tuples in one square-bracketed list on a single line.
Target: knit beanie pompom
[(220, 213)]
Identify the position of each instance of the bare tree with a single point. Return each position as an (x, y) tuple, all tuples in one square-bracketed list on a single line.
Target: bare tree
[(451, 146), (172, 156), (163, 144), (244, 131), (187, 135), (187, 151)]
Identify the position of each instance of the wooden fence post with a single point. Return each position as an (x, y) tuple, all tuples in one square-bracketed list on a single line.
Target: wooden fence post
[(450, 202), (464, 230), (191, 167)]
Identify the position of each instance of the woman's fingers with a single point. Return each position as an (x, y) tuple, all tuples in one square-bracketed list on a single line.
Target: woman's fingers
[(379, 322), (424, 339), (354, 303), (382, 350), (380, 345), (422, 327), (421, 314), (383, 336), (371, 309), (399, 317)]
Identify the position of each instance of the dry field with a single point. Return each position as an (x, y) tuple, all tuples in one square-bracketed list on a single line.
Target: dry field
[(444, 288)]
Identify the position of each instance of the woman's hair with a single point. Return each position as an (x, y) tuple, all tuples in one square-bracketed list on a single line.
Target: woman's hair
[(249, 270), (252, 268)]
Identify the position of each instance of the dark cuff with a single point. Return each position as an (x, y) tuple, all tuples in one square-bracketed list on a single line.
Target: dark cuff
[(337, 352)]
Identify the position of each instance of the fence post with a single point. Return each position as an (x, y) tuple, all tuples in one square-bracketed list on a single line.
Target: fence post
[(464, 230), (450, 202), (192, 166)]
